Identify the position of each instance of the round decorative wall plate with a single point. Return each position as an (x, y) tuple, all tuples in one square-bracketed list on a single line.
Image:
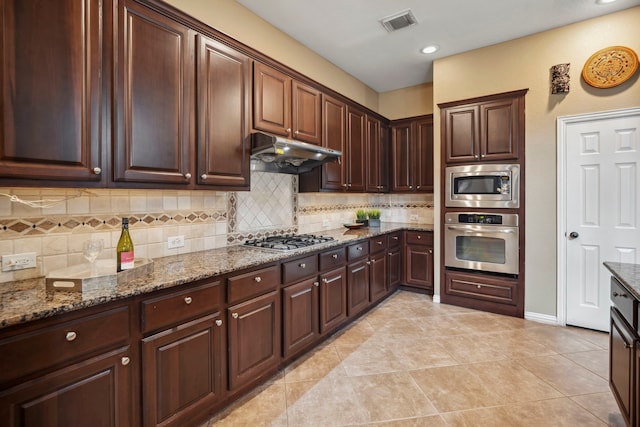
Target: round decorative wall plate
[(610, 67)]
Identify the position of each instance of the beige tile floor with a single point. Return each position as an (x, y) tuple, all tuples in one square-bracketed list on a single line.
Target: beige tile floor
[(410, 362)]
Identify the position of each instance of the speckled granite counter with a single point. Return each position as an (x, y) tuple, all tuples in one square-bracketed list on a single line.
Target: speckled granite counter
[(627, 274), (28, 300)]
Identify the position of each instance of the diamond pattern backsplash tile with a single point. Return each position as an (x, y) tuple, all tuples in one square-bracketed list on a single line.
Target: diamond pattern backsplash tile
[(269, 204)]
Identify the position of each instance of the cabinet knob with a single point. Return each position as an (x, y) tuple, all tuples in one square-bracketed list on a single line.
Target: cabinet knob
[(204, 176), (478, 286), (289, 130), (411, 187), (234, 315), (430, 251), (417, 187), (71, 336), (125, 361), (344, 185), (187, 175), (419, 237), (395, 237), (303, 265), (258, 279), (368, 262), (97, 170), (316, 284), (297, 132), (390, 253), (359, 248), (379, 242), (627, 345), (188, 300), (334, 256), (218, 322)]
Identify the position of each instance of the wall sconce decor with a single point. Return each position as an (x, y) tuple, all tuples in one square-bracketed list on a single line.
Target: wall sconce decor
[(560, 78)]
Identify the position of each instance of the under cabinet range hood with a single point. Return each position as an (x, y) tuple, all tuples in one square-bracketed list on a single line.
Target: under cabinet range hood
[(281, 155)]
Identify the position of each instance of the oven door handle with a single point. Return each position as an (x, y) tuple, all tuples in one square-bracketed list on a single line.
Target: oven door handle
[(470, 230)]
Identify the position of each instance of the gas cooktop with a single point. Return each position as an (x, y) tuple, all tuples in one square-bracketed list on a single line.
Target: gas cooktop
[(288, 241)]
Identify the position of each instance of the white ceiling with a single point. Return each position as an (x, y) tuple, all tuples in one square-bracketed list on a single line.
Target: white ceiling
[(349, 34)]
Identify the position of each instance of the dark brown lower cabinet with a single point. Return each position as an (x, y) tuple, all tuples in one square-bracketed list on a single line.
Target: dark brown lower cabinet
[(95, 392), (621, 366), (300, 316), (378, 276), (357, 286), (394, 268), (485, 292), (333, 299), (253, 339), (419, 266), (183, 372)]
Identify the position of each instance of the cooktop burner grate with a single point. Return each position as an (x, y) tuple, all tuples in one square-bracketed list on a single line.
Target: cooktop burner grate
[(288, 241)]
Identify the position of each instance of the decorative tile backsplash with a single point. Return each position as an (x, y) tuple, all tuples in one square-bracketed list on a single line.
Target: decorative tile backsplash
[(54, 223)]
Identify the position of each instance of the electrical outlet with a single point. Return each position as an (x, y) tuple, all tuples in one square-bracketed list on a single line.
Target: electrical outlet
[(325, 222), (413, 218), (175, 242), (19, 261)]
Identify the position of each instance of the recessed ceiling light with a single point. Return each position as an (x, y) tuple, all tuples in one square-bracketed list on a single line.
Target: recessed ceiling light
[(604, 1), (430, 49)]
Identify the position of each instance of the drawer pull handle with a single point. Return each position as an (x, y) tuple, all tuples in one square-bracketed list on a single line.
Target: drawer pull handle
[(334, 256), (234, 315), (628, 346), (390, 253), (615, 294), (125, 361), (218, 322), (316, 284), (71, 336), (188, 300), (258, 279), (303, 265), (325, 280)]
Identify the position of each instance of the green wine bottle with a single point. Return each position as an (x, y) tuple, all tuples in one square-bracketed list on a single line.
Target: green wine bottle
[(125, 248)]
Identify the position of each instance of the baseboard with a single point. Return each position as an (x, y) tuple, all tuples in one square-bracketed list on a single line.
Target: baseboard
[(541, 318), (436, 299)]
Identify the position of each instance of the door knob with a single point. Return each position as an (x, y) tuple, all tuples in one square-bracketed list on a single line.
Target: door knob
[(573, 235)]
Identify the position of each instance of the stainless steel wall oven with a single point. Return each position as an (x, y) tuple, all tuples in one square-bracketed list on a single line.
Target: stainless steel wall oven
[(481, 241)]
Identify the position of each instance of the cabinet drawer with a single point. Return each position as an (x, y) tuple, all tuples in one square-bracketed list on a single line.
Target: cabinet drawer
[(377, 244), (294, 271), (624, 302), (51, 346), (502, 291), (420, 238), (357, 250), (180, 306), (395, 239), (332, 259), (254, 283)]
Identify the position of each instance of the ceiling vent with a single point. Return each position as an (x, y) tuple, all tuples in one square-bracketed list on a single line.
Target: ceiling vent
[(399, 21)]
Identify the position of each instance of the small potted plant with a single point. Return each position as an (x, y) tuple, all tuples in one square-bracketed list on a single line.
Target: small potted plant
[(361, 217), (374, 218)]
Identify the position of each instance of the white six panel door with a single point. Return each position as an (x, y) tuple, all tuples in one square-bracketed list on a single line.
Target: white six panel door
[(602, 221)]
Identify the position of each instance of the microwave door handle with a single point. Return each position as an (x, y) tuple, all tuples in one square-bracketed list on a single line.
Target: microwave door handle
[(467, 230)]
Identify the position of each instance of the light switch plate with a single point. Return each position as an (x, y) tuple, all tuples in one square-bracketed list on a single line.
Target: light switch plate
[(18, 261), (175, 242)]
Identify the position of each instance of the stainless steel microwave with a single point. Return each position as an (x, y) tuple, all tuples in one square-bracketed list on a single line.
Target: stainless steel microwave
[(483, 186)]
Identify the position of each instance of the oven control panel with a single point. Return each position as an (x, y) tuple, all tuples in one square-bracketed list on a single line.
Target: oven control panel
[(481, 218)]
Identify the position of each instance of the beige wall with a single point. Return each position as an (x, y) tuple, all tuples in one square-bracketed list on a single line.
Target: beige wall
[(525, 63), (407, 102)]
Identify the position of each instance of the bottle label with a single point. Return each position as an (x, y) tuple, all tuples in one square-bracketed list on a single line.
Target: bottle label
[(126, 260)]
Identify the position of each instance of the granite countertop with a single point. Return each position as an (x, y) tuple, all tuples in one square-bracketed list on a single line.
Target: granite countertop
[(27, 300), (627, 274)]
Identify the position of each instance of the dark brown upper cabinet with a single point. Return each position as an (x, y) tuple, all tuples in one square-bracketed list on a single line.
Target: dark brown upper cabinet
[(52, 77), (284, 106), (224, 87), (154, 90), (412, 155), (483, 129), (377, 153), (355, 156)]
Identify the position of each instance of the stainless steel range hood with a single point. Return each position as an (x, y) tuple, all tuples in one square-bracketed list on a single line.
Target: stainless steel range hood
[(281, 155)]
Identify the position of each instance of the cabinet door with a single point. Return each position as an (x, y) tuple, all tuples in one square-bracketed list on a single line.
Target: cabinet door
[(96, 392), (223, 80), (423, 159), (52, 74), (306, 113), (333, 299), (254, 338), (401, 161), (358, 286), (355, 156), (621, 357), (377, 166), (182, 371), (461, 135), (153, 98), (333, 136), (300, 316), (499, 130), (271, 100), (394, 269), (419, 266), (378, 276)]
